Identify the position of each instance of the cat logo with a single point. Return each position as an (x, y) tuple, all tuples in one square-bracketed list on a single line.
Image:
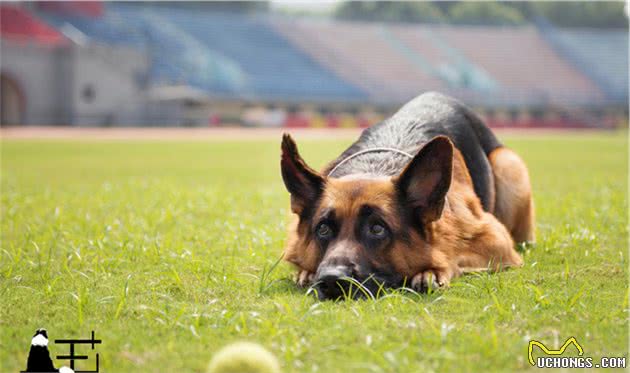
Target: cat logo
[(547, 351)]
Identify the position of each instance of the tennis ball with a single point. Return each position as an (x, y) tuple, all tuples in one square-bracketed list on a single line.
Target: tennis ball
[(244, 357)]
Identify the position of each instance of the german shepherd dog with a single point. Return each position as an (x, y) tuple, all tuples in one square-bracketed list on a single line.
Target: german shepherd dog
[(417, 200)]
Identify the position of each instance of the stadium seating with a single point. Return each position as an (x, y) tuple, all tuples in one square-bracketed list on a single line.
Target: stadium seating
[(223, 53), (601, 55), (175, 56), (365, 54), (523, 64), (257, 56), (445, 61), (273, 66), (392, 62)]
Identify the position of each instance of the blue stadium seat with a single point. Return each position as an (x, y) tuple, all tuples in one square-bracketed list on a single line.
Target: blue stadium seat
[(273, 66), (223, 53)]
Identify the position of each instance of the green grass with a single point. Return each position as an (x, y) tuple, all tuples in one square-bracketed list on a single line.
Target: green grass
[(166, 249)]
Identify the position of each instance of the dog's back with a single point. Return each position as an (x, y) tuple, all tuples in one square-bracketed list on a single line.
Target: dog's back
[(420, 120)]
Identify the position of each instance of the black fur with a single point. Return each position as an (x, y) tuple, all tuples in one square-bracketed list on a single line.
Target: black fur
[(304, 183), (425, 117), (39, 358)]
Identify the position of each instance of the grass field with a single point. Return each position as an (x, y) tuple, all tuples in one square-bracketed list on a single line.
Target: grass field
[(164, 249)]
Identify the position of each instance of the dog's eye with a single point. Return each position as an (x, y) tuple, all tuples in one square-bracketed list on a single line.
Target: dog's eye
[(324, 231), (377, 230)]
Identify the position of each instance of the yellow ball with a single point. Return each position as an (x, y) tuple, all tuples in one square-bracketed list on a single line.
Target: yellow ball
[(244, 357)]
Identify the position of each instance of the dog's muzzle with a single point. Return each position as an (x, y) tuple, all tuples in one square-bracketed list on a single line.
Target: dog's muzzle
[(333, 282)]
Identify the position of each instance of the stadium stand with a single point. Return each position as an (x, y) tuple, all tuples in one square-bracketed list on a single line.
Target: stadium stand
[(274, 68), (273, 58), (526, 68), (223, 53), (601, 55), (515, 67), (176, 57), (445, 61), (364, 54)]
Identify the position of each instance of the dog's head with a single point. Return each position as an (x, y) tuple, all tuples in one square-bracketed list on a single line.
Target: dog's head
[(369, 230)]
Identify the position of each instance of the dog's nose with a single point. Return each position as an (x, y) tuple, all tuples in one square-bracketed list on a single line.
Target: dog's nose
[(330, 283), (330, 275)]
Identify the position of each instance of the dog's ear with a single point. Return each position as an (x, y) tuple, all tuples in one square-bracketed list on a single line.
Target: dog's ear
[(304, 183), (423, 184)]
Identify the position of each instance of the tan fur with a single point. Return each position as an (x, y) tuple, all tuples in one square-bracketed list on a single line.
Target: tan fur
[(514, 205), (346, 197), (301, 251), (464, 237)]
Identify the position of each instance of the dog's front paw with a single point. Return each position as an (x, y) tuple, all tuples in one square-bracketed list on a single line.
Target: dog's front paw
[(304, 278), (433, 279)]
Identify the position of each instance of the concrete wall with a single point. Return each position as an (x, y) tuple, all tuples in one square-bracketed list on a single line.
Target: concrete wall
[(78, 85), (43, 75), (109, 86)]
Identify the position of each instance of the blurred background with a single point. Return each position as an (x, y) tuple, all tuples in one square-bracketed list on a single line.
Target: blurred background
[(320, 64)]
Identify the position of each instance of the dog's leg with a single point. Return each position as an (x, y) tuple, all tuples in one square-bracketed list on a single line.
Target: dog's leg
[(492, 248), (437, 273), (304, 278), (514, 206), (435, 279)]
